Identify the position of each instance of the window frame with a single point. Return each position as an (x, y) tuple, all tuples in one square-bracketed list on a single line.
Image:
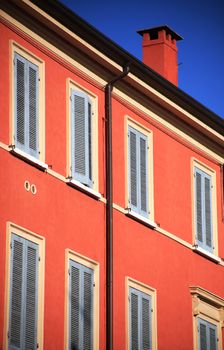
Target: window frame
[(94, 266), (147, 133), (212, 174), (40, 241), (71, 87), (27, 55), (207, 307), (208, 325), (149, 291)]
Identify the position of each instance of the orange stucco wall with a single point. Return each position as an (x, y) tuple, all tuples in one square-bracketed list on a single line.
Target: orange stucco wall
[(68, 218)]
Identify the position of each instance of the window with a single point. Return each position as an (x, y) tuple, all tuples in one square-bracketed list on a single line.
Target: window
[(83, 138), (205, 208), (207, 319), (207, 335), (26, 105), (141, 317), (27, 102), (24, 294), (83, 303), (139, 170)]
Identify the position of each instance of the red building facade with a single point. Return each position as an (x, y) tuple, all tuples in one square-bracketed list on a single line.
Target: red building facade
[(161, 230)]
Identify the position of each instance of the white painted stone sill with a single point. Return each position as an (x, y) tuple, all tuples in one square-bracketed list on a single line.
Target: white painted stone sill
[(140, 218), (27, 157), (83, 188)]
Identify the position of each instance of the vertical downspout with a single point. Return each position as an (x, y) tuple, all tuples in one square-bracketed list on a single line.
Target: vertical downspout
[(222, 190), (109, 209)]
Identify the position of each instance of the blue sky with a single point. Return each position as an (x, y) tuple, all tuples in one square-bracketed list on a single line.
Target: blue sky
[(199, 22)]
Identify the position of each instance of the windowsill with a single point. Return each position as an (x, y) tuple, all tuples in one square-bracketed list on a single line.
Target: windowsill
[(28, 158), (83, 188), (206, 254), (140, 218)]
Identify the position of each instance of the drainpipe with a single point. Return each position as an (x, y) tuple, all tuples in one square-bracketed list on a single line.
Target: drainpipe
[(109, 208), (222, 190)]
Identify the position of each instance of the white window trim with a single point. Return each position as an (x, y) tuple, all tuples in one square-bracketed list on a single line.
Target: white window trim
[(28, 55), (71, 255), (209, 307), (28, 157), (206, 254), (31, 236), (83, 188), (130, 282), (212, 173), (148, 133), (132, 214), (72, 85)]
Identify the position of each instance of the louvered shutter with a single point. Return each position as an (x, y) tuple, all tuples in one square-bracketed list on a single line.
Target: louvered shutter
[(81, 137), (134, 319), (138, 172), (203, 209), (87, 309), (207, 209), (133, 178), (26, 76), (30, 295), (16, 293), (146, 321), (202, 335), (20, 94), (207, 335), (23, 294), (198, 199), (81, 307), (140, 320), (212, 330), (32, 120), (75, 305), (143, 177)]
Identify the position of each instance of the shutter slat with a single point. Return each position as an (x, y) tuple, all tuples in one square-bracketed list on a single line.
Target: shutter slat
[(199, 206), (20, 100), (33, 115), (88, 311), (208, 226), (31, 295), (143, 174), (133, 168), (15, 327)]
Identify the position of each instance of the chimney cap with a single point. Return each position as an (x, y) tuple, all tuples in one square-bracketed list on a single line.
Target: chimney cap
[(155, 30)]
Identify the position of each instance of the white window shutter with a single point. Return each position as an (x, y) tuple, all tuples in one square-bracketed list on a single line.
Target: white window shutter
[(23, 294), (203, 209), (26, 90), (81, 110), (133, 176), (138, 171), (33, 121), (19, 95), (80, 307)]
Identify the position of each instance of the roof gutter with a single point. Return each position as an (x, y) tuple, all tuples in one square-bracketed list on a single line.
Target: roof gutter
[(109, 206)]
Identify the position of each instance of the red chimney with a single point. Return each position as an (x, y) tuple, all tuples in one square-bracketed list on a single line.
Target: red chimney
[(159, 50)]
